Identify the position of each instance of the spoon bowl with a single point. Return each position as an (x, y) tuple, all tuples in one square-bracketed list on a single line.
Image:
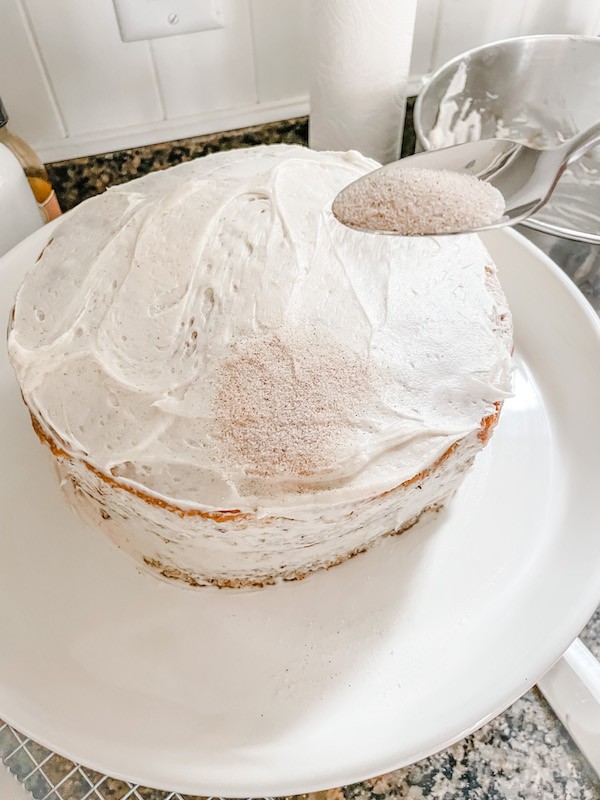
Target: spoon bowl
[(525, 176)]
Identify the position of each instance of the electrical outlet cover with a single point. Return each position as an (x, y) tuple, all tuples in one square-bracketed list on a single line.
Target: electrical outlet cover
[(153, 19)]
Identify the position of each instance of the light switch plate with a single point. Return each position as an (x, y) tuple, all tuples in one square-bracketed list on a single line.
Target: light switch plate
[(153, 19)]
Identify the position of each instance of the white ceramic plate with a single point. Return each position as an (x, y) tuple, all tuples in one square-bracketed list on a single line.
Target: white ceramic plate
[(352, 672)]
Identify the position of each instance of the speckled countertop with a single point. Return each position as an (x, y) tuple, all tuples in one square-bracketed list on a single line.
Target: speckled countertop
[(524, 753)]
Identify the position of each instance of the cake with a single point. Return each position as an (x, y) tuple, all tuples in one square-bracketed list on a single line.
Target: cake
[(238, 389)]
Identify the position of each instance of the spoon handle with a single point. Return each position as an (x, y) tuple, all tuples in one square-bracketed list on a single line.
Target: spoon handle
[(582, 143)]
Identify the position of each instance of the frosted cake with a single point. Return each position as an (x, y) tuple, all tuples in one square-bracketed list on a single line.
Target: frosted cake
[(238, 389)]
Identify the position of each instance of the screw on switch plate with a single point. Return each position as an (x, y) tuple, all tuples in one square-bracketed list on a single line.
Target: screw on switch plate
[(153, 19)]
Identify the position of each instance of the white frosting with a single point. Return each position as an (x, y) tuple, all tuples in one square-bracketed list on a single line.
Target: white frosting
[(123, 329), (242, 550)]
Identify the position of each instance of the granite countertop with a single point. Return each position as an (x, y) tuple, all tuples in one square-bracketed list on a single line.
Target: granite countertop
[(523, 753)]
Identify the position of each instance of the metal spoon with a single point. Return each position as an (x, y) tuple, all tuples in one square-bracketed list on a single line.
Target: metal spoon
[(526, 177)]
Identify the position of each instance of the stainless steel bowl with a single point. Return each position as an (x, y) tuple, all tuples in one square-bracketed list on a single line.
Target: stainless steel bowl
[(534, 89)]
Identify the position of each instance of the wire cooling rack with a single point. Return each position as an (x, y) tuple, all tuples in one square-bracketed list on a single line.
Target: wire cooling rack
[(48, 776)]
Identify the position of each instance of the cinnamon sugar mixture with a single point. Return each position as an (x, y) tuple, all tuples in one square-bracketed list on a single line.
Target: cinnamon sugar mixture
[(288, 402), (415, 202)]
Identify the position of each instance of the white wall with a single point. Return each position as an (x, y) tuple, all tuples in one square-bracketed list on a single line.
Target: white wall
[(446, 28), (72, 87)]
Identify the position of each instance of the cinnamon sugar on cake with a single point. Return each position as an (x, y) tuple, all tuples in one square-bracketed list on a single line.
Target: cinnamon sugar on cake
[(289, 402)]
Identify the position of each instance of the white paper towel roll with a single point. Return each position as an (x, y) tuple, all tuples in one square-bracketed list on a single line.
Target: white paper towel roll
[(359, 67)]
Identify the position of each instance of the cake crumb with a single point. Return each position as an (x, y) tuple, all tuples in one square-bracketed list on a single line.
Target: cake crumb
[(417, 202)]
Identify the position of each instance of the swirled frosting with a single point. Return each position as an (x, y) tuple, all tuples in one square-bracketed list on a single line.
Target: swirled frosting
[(212, 334)]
